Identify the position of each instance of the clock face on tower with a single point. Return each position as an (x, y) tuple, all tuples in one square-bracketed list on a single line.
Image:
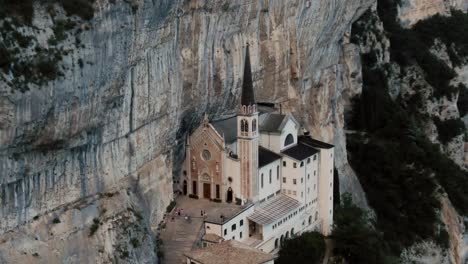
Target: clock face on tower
[(206, 155)]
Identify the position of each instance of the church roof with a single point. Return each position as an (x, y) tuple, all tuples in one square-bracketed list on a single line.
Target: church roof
[(273, 122), (307, 140), (266, 156), (230, 251), (248, 96), (228, 128), (300, 151), (274, 209)]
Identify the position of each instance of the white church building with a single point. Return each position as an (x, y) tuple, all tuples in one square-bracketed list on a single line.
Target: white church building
[(278, 180)]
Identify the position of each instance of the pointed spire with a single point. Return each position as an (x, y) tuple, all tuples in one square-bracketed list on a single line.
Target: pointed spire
[(248, 96)]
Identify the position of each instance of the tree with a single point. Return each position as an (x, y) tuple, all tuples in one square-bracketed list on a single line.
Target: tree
[(354, 238), (307, 248)]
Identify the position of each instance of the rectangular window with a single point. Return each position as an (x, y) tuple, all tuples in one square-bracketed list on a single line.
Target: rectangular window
[(302, 194), (284, 163), (284, 179), (315, 157), (261, 181), (240, 235), (308, 176), (294, 181), (294, 165), (308, 160), (217, 191), (225, 231), (294, 193), (277, 173), (233, 227), (241, 223), (302, 164), (270, 175), (302, 180)]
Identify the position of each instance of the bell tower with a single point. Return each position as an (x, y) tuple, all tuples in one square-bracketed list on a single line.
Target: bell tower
[(247, 134)]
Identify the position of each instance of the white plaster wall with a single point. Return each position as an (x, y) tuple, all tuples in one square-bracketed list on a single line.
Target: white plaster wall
[(291, 173), (236, 220), (271, 141), (289, 128), (275, 185), (232, 169), (211, 228), (326, 189)]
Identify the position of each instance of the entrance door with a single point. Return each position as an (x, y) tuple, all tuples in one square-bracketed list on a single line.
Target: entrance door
[(185, 187), (207, 190), (229, 195)]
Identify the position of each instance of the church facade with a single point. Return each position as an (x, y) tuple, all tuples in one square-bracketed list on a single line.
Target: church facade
[(281, 179)]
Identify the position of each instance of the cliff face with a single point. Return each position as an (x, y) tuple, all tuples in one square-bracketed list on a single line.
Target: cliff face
[(142, 76), (412, 11)]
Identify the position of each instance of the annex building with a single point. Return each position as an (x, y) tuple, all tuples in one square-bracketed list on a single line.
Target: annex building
[(279, 180)]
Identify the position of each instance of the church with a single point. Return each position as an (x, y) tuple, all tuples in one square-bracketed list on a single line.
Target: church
[(278, 180)]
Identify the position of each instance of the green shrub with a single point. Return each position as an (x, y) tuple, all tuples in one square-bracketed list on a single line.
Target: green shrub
[(171, 206), (449, 129), (462, 102), (56, 221), (354, 237), (135, 242), (81, 8), (94, 227), (308, 248)]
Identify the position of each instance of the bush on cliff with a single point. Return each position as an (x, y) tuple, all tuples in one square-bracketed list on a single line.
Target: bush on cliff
[(308, 248)]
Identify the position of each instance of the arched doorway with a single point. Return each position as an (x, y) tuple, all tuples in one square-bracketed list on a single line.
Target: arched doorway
[(276, 243), (287, 235), (281, 240), (292, 232), (185, 187), (229, 195), (310, 220)]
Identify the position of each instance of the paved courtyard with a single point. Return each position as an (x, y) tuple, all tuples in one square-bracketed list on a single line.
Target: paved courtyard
[(181, 234)]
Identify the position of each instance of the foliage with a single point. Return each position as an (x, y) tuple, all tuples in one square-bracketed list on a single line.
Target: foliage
[(56, 221), (462, 102), (400, 169), (81, 8), (449, 129), (23, 9), (412, 46), (171, 206), (135, 242), (94, 227), (307, 248), (354, 238)]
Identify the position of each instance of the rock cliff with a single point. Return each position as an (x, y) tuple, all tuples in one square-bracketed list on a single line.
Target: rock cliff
[(134, 80)]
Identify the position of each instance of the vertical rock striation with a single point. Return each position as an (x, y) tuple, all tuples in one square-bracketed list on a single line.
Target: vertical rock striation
[(144, 76)]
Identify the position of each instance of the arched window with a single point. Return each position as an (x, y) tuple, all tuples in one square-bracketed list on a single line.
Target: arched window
[(244, 126), (316, 216), (254, 125), (310, 220), (276, 243), (289, 140)]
